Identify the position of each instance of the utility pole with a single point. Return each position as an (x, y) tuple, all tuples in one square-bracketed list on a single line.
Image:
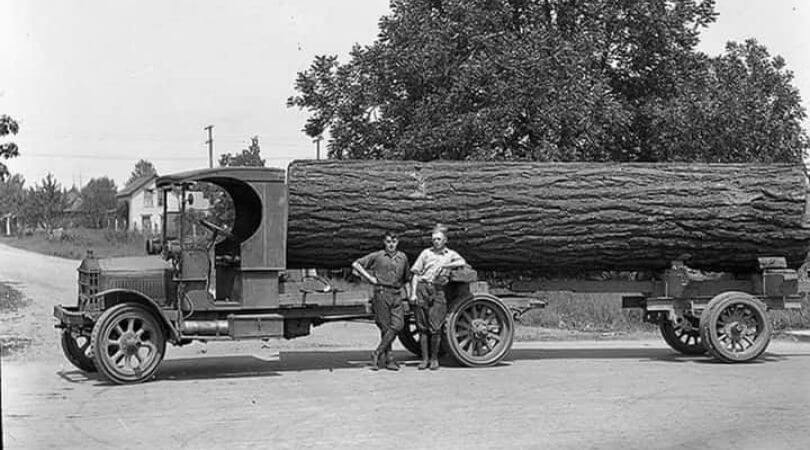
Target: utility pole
[(210, 143), (317, 142)]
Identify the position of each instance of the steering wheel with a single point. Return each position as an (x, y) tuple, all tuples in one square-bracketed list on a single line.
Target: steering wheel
[(215, 228)]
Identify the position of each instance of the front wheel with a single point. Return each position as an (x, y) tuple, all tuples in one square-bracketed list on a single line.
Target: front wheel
[(479, 331), (77, 350), (128, 343)]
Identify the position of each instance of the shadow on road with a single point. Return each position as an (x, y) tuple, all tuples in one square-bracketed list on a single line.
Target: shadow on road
[(650, 354), (251, 366), (235, 366)]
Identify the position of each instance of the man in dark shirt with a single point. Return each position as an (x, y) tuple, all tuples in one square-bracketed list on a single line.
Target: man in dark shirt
[(387, 270)]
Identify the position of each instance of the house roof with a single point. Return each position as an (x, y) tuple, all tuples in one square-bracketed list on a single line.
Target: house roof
[(74, 201), (135, 185)]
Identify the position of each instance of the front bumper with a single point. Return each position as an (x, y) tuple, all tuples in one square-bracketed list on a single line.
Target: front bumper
[(70, 316)]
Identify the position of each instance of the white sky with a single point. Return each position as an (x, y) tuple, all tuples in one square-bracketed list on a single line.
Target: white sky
[(97, 85)]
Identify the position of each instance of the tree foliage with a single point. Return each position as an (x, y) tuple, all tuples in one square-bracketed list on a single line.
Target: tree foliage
[(8, 126), (98, 197), (552, 80), (249, 157), (12, 195), (142, 168), (45, 203)]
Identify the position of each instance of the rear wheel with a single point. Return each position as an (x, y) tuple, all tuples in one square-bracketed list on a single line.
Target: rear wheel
[(128, 343), (409, 336), (735, 327), (77, 350), (479, 331), (683, 337)]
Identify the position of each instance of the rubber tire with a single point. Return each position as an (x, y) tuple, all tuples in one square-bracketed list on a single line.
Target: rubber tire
[(109, 319), (668, 333), (502, 349), (712, 313), (408, 337), (74, 354)]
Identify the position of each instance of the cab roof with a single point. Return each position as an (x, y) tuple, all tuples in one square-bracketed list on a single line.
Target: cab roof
[(247, 174)]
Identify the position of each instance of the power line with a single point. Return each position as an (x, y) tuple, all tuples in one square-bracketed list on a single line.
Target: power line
[(133, 158)]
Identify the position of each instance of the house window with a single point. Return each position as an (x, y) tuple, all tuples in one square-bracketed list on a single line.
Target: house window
[(148, 199), (160, 199), (146, 223)]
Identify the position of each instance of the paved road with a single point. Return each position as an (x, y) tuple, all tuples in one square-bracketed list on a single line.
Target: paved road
[(317, 392)]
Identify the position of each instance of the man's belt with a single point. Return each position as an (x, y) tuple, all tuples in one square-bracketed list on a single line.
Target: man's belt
[(387, 286)]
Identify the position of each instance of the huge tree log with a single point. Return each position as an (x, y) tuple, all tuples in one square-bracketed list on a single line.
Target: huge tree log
[(551, 217)]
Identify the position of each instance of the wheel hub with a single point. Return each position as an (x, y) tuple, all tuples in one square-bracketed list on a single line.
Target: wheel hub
[(130, 343), (479, 328), (736, 330)]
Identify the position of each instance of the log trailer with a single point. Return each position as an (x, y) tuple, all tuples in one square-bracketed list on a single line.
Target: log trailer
[(234, 287)]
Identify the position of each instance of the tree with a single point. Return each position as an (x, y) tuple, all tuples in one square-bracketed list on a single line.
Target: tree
[(98, 197), (9, 149), (544, 80), (250, 157), (12, 195), (45, 203), (738, 106), (551, 218), (142, 168)]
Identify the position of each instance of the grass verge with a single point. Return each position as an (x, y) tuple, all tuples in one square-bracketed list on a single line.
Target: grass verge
[(73, 243), (11, 302)]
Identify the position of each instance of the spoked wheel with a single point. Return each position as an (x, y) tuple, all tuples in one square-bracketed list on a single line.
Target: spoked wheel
[(479, 331), (735, 327), (683, 337), (409, 336), (128, 343), (76, 347)]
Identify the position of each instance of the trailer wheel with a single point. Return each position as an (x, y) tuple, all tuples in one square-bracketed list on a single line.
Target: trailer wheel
[(479, 331), (128, 343), (78, 351), (735, 327), (684, 337)]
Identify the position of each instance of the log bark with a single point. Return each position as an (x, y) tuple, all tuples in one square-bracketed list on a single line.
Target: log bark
[(551, 217)]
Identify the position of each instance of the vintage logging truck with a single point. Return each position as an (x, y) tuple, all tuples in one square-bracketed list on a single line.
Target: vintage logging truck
[(507, 217)]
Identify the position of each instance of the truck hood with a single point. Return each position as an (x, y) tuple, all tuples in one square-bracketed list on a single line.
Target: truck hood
[(127, 264)]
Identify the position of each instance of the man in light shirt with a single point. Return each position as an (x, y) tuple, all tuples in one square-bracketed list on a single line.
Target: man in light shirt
[(427, 294)]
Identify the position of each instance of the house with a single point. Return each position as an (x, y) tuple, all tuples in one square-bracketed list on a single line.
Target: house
[(72, 214), (145, 204)]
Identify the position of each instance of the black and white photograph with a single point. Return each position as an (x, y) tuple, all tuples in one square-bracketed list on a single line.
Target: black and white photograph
[(429, 224)]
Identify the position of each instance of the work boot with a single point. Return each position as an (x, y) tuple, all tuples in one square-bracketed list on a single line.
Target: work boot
[(376, 360), (424, 344), (390, 364), (435, 342)]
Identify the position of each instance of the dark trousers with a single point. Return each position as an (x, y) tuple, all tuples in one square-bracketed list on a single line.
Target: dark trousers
[(389, 315), (431, 307)]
